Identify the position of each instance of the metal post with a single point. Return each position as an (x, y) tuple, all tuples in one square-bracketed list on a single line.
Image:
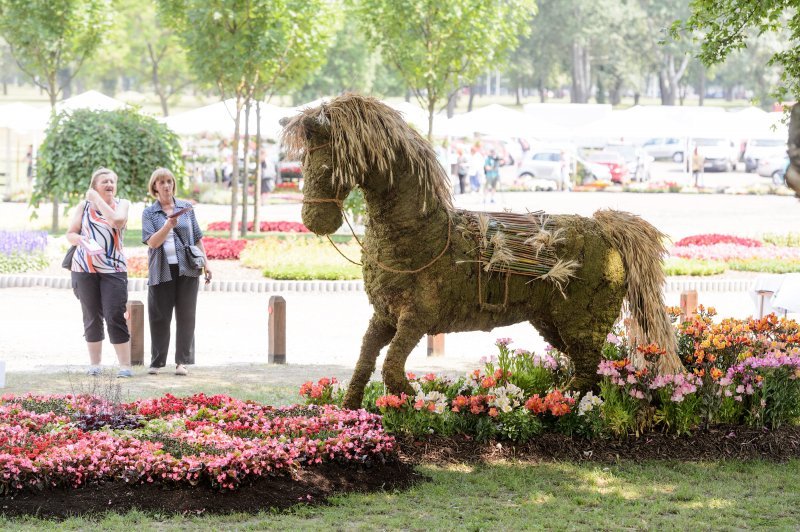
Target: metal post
[(135, 319), (277, 330), (436, 345), (688, 304)]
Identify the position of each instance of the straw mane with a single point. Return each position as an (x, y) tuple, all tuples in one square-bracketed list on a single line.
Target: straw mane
[(368, 136)]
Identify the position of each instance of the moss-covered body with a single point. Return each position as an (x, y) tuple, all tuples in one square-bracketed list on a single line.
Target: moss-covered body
[(793, 172), (411, 222)]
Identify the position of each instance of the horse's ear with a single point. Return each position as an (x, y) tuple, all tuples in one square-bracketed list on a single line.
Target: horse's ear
[(316, 124)]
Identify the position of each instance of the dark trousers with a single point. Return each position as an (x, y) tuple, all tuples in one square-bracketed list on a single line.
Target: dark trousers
[(180, 294), (102, 295)]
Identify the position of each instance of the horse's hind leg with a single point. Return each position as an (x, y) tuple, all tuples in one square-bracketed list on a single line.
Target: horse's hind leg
[(408, 335), (583, 335), (377, 336)]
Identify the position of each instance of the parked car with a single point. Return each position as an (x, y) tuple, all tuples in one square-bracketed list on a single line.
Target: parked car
[(636, 159), (289, 171), (615, 162), (665, 148), (541, 164), (757, 149), (718, 153), (774, 168), (589, 171)]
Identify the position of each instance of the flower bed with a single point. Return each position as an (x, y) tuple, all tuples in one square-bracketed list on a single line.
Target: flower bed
[(22, 251), (708, 254), (740, 372), (265, 227), (217, 441), (223, 248)]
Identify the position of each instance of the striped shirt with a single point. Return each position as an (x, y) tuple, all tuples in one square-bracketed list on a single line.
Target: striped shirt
[(95, 226), (187, 233)]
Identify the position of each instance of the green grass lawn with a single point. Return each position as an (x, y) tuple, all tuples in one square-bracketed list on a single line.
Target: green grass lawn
[(494, 496)]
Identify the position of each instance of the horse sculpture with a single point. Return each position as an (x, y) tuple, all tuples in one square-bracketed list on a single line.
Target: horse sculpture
[(429, 268)]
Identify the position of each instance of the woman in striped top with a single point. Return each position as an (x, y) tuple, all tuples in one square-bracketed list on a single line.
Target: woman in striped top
[(99, 271)]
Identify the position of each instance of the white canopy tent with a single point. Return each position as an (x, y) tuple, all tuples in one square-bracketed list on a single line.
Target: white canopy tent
[(499, 121), (218, 118)]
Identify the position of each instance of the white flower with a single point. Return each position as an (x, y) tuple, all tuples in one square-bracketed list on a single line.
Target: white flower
[(588, 402)]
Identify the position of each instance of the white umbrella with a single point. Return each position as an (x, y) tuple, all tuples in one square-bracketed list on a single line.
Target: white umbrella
[(96, 101), (497, 120)]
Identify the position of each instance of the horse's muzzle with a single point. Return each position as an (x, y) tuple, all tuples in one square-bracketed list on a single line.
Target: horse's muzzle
[(322, 218)]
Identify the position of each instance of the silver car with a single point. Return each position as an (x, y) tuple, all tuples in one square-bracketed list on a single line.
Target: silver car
[(774, 168), (665, 148)]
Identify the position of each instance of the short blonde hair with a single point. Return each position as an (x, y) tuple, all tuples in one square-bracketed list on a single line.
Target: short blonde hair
[(101, 172), (157, 174)]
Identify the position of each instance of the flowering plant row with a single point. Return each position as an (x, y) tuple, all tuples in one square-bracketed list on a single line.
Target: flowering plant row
[(738, 372), (729, 252), (223, 248), (715, 238), (65, 440), (22, 251), (265, 227)]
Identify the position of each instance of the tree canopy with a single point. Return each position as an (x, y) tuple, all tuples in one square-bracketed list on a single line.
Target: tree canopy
[(726, 26), (127, 142), (48, 38), (439, 46)]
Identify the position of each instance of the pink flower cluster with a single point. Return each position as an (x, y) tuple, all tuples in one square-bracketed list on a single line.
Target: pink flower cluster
[(680, 384), (747, 376), (727, 252), (220, 440), (712, 239)]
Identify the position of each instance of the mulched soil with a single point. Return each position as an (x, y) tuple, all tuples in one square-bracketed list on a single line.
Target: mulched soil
[(313, 485), (717, 443)]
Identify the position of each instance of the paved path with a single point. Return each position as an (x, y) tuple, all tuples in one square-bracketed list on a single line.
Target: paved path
[(40, 329)]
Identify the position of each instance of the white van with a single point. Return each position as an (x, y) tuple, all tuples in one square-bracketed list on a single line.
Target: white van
[(764, 148), (718, 153)]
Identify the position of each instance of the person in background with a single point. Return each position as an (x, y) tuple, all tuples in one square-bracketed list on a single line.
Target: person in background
[(491, 167), (476, 168), (462, 171), (172, 281), (698, 161), (566, 179), (99, 270)]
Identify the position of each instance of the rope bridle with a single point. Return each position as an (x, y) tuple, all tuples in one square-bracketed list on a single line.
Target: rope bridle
[(340, 203)]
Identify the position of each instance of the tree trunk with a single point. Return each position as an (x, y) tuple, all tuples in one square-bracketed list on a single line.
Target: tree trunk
[(53, 94), (701, 87), (451, 104), (542, 90), (235, 164), (600, 94), (245, 159), (615, 94), (517, 91), (5, 88), (431, 109), (259, 173), (472, 90), (581, 72)]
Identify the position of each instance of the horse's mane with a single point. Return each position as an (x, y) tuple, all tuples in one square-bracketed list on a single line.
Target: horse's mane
[(366, 133)]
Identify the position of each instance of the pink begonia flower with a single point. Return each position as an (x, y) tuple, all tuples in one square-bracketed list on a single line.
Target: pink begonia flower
[(613, 339)]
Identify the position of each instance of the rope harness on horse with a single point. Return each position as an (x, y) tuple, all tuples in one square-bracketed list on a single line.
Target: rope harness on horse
[(340, 203)]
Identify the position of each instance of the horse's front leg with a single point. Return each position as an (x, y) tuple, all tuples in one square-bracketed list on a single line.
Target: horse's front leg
[(409, 333), (378, 334)]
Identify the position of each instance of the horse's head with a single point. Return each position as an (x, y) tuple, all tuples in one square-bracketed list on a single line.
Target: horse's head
[(355, 140), (309, 135)]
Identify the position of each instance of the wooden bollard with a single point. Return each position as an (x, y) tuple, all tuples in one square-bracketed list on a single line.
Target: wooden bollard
[(277, 330), (135, 319), (688, 304), (436, 345)]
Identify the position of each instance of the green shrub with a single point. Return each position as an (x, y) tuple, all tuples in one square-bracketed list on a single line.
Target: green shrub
[(23, 262), (677, 266), (765, 265), (791, 240), (302, 258)]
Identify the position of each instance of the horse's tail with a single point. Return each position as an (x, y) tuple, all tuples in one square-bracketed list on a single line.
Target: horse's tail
[(641, 246)]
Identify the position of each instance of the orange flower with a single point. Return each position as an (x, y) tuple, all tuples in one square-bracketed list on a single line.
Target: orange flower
[(493, 412), (716, 373)]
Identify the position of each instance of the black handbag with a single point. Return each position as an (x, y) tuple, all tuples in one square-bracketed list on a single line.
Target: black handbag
[(194, 256), (67, 262)]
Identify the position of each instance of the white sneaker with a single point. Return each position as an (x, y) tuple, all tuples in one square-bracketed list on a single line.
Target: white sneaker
[(180, 369), (153, 370)]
